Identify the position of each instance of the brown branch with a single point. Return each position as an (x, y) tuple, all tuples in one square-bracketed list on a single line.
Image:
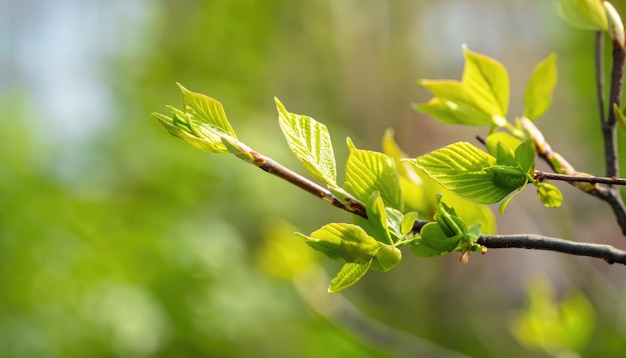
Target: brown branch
[(538, 242), (615, 96), (247, 154), (541, 176)]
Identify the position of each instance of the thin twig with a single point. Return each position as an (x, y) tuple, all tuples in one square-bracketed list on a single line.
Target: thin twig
[(599, 58), (541, 176), (609, 126), (269, 165), (538, 242)]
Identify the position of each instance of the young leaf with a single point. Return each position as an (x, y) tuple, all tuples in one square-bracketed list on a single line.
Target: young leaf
[(450, 223), (434, 241), (204, 109), (449, 112), (470, 172), (407, 222), (376, 224), (343, 242), (525, 156), (386, 258), (487, 83), (549, 195), (504, 155), (584, 14), (202, 123), (310, 143), (538, 96), (349, 274), (367, 172)]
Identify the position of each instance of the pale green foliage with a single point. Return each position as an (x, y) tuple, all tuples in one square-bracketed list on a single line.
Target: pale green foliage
[(538, 95), (382, 182), (368, 172), (349, 274), (471, 173), (480, 98), (202, 122), (310, 143), (556, 327), (584, 14), (549, 195), (345, 242)]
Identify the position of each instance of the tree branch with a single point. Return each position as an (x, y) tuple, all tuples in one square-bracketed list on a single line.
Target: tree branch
[(537, 242), (541, 176)]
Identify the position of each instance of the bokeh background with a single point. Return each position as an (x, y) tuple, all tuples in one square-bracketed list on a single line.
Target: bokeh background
[(117, 239)]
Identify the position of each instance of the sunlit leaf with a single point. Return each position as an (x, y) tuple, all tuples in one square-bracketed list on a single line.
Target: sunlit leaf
[(470, 172), (204, 109), (549, 195), (491, 143), (310, 143), (434, 241), (449, 112), (386, 258), (525, 156), (349, 274), (584, 14), (376, 223), (368, 172), (202, 122), (538, 95), (486, 82), (408, 221), (619, 115), (343, 242)]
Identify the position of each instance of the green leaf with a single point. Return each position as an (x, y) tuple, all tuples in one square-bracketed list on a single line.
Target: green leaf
[(496, 137), (349, 274), (549, 195), (504, 155), (368, 172), (434, 241), (386, 258), (310, 143), (450, 223), (204, 109), (470, 172), (187, 136), (487, 83), (407, 222), (525, 156), (538, 96), (343, 242), (449, 112), (584, 14), (376, 224), (202, 123)]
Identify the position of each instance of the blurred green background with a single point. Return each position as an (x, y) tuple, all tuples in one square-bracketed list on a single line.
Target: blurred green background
[(117, 239)]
